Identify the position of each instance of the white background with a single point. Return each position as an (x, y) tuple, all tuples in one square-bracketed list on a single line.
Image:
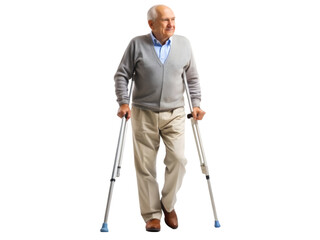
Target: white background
[(259, 67)]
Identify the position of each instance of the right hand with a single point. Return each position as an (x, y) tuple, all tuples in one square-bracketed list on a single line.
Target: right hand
[(123, 110)]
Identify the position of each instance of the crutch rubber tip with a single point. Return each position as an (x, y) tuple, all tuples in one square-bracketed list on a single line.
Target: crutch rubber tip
[(216, 224), (104, 227)]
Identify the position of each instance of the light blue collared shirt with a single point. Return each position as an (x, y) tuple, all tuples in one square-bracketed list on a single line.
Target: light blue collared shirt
[(161, 50)]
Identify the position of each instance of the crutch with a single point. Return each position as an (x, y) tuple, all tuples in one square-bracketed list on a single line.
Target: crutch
[(203, 162), (117, 164)]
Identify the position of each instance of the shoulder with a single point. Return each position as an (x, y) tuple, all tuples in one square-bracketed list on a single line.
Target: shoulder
[(181, 41), (138, 43), (141, 39)]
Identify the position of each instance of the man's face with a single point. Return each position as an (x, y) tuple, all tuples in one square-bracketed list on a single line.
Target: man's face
[(164, 25)]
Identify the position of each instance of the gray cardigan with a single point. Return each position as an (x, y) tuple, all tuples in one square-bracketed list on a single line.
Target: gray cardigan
[(158, 87)]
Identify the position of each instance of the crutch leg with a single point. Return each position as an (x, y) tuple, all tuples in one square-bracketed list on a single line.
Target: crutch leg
[(116, 166), (203, 162)]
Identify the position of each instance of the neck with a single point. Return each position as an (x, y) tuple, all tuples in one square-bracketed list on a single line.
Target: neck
[(161, 40)]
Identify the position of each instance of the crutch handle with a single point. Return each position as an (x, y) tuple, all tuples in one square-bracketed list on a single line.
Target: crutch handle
[(189, 116)]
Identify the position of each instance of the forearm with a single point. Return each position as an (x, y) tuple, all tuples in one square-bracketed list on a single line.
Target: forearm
[(193, 83), (121, 90)]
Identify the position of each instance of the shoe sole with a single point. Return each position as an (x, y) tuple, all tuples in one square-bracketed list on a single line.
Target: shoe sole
[(153, 230)]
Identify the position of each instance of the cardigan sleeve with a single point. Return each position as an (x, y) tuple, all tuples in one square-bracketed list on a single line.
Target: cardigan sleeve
[(124, 73), (193, 82)]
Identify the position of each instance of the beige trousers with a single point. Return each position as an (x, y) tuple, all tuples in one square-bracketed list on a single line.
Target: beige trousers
[(147, 128)]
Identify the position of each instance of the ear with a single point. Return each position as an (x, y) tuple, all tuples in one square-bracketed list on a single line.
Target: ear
[(150, 22)]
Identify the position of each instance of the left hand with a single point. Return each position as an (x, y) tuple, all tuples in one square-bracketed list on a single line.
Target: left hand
[(198, 113)]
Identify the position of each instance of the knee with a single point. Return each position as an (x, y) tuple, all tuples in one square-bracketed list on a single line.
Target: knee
[(175, 159)]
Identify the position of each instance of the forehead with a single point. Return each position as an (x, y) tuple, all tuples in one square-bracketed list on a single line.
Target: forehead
[(165, 12)]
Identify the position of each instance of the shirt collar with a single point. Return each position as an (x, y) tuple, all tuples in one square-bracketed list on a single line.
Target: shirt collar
[(157, 43)]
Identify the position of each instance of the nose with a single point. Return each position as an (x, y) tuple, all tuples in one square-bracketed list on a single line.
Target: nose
[(170, 23)]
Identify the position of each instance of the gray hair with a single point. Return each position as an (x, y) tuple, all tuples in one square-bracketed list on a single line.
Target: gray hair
[(152, 13)]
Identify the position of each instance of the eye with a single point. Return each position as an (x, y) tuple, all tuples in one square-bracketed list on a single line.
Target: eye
[(168, 19)]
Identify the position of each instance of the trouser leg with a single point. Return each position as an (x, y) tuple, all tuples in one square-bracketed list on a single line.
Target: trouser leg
[(146, 141), (172, 126)]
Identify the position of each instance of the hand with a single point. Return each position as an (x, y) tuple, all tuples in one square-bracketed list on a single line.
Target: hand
[(198, 113), (123, 110)]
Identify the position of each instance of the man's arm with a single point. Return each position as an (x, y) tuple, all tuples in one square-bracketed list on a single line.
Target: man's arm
[(121, 78), (194, 89)]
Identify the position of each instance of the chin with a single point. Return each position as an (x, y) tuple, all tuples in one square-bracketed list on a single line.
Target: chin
[(170, 33)]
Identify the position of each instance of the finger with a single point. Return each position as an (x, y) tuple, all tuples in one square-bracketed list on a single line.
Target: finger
[(128, 114), (121, 113), (201, 115), (194, 115)]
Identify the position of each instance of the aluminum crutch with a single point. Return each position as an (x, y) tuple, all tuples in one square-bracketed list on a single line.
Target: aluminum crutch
[(203, 162), (117, 164)]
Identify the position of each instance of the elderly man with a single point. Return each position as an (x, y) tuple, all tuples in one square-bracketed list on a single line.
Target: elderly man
[(156, 62)]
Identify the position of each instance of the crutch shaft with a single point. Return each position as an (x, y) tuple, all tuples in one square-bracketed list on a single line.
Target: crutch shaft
[(202, 158), (116, 165), (109, 202), (124, 121), (124, 135), (212, 199)]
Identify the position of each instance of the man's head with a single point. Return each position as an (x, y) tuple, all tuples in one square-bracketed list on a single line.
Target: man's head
[(161, 20)]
